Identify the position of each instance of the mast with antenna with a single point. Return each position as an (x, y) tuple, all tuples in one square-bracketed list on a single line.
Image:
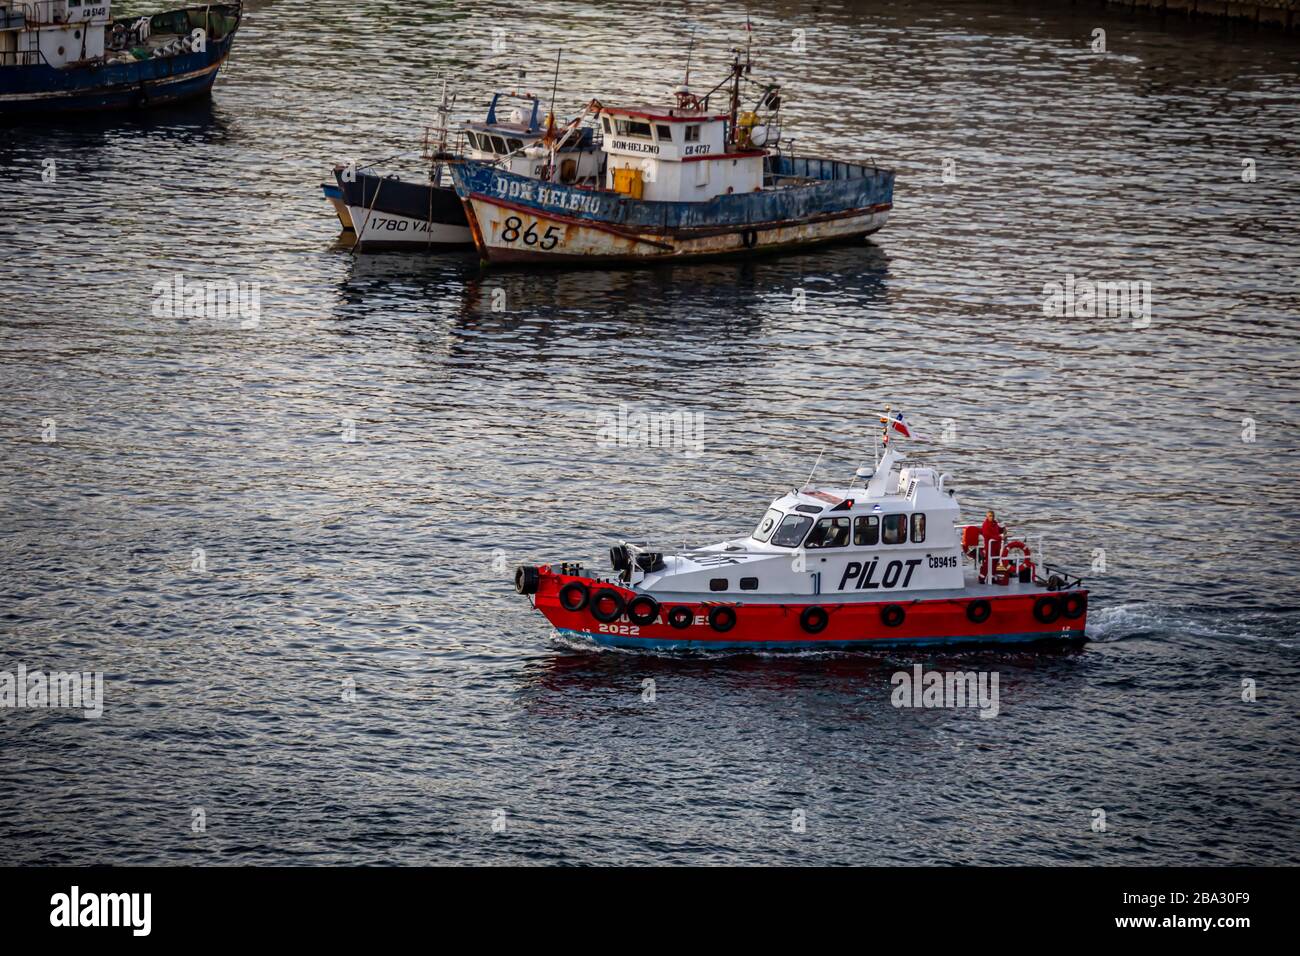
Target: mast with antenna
[(814, 470), (549, 137)]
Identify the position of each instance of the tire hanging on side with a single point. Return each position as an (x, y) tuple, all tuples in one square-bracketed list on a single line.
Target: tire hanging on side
[(607, 596)]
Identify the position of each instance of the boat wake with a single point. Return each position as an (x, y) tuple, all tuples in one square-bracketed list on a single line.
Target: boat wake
[(1138, 620)]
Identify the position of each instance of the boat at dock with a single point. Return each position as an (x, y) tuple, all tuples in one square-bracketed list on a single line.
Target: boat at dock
[(883, 563), (69, 55), (680, 181), (387, 212)]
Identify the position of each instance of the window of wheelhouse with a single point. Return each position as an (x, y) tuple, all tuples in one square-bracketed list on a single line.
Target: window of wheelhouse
[(918, 528), (767, 525), (894, 529), (866, 530), (499, 145), (515, 145), (609, 127), (791, 531), (664, 132), (632, 128), (692, 134), (829, 533)]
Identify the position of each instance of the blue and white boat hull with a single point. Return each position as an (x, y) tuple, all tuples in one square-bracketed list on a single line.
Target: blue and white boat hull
[(519, 220), (37, 89)]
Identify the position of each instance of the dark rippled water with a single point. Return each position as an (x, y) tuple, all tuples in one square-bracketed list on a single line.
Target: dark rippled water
[(385, 561)]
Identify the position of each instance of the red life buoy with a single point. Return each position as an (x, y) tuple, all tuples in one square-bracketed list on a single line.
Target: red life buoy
[(1024, 554)]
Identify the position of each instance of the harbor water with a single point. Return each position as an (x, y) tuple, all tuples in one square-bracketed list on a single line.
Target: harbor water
[(285, 531)]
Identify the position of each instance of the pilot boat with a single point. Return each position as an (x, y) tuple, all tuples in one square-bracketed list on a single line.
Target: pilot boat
[(72, 55), (387, 213), (680, 181), (882, 563)]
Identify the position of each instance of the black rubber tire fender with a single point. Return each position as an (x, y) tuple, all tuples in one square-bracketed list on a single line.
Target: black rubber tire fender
[(1047, 609), (1074, 605), (722, 619), (814, 619), (611, 598), (643, 609), (581, 590), (681, 617), (526, 579)]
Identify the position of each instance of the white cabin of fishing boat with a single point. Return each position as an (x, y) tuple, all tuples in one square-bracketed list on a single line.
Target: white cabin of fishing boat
[(677, 154)]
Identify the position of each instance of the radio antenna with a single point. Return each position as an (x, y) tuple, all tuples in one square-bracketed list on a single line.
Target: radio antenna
[(814, 470)]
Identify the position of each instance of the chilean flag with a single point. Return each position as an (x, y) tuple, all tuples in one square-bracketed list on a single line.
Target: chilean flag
[(896, 424)]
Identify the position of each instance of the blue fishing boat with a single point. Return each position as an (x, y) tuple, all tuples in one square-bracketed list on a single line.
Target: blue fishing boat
[(72, 55), (680, 182)]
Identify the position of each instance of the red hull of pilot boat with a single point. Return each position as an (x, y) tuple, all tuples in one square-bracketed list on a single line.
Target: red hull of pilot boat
[(767, 625)]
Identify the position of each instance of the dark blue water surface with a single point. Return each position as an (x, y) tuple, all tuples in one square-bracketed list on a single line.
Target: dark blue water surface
[(385, 563)]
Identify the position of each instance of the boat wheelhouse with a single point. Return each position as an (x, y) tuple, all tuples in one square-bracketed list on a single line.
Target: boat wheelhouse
[(884, 562), (73, 55), (681, 181), (386, 212)]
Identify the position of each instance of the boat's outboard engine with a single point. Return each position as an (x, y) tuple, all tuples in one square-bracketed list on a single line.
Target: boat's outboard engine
[(526, 579)]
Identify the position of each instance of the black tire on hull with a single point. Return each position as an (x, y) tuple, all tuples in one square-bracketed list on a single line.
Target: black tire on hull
[(814, 619), (891, 615), (607, 605), (526, 579), (642, 609), (1047, 609), (1074, 605), (574, 596), (978, 611), (681, 617), (722, 619)]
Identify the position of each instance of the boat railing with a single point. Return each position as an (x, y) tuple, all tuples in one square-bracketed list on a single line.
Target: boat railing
[(22, 58), (985, 563)]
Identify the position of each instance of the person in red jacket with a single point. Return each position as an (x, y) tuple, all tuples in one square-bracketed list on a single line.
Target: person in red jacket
[(993, 533)]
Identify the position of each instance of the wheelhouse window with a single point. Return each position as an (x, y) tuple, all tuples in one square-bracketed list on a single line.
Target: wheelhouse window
[(895, 529), (515, 145), (918, 528), (791, 531), (692, 134), (717, 584), (499, 145), (632, 128), (609, 127), (665, 133), (767, 525), (829, 533), (866, 530)]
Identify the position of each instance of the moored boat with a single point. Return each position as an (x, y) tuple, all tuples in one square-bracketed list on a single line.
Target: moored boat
[(681, 181), (387, 212), (334, 195), (69, 55), (880, 564)]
